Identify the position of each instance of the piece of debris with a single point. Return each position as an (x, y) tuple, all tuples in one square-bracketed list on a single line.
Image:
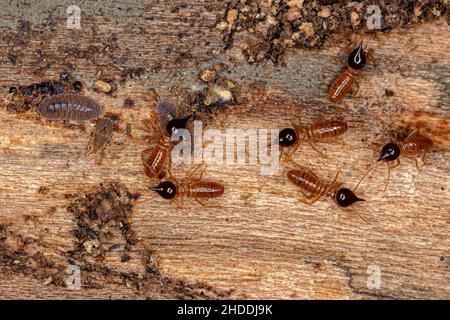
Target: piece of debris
[(22, 98), (102, 86), (265, 29), (97, 214)]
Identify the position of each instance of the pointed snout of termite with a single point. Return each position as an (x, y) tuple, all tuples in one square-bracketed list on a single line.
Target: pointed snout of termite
[(361, 43), (156, 188), (186, 119)]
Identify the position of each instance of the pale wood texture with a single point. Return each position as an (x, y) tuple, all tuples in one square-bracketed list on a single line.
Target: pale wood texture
[(264, 243)]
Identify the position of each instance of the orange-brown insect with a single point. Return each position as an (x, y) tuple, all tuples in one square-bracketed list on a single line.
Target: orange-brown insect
[(414, 145), (191, 187), (313, 188), (347, 78), (321, 131), (154, 159)]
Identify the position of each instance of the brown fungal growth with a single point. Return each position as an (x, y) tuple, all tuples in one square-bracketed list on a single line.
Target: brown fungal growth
[(266, 29), (96, 215)]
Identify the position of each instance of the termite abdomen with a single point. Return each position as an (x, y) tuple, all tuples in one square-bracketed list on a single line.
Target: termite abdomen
[(305, 180), (204, 189), (69, 107), (329, 129)]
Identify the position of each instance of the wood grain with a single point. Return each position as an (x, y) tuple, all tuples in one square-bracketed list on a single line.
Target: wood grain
[(264, 243)]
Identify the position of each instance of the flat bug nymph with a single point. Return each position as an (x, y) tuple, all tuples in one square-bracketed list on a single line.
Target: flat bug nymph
[(101, 136)]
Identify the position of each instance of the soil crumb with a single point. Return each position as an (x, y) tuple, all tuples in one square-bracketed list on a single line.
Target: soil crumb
[(267, 28)]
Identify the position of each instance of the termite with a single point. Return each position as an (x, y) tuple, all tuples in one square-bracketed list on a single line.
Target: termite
[(191, 187), (347, 78), (154, 159), (321, 131), (413, 146), (313, 188)]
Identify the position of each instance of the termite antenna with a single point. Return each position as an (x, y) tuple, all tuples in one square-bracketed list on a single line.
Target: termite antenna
[(365, 174)]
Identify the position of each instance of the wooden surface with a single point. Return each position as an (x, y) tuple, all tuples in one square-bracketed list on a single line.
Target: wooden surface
[(263, 243)]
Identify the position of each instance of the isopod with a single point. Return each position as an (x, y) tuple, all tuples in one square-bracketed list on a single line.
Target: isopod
[(69, 107)]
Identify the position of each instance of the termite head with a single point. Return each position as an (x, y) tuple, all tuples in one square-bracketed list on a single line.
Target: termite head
[(357, 58), (345, 197), (390, 152), (165, 189), (175, 124), (287, 137)]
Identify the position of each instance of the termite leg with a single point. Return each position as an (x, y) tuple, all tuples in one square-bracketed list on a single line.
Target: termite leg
[(206, 205), (413, 158), (333, 142), (194, 171), (169, 171), (415, 131), (317, 150), (289, 155), (181, 204), (356, 90), (423, 159), (336, 176), (389, 173), (312, 200)]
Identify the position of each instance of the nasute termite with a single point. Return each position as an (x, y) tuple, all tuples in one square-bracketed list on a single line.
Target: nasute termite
[(348, 77), (191, 187), (167, 124), (414, 145)]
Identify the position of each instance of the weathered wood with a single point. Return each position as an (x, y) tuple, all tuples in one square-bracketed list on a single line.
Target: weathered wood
[(264, 243)]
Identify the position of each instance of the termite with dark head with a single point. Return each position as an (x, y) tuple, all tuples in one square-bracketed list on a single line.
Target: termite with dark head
[(191, 187), (413, 146), (166, 125), (313, 188), (347, 78), (320, 131)]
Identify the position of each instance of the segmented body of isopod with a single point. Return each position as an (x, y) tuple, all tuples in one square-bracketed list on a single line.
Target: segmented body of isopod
[(101, 136), (69, 107)]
